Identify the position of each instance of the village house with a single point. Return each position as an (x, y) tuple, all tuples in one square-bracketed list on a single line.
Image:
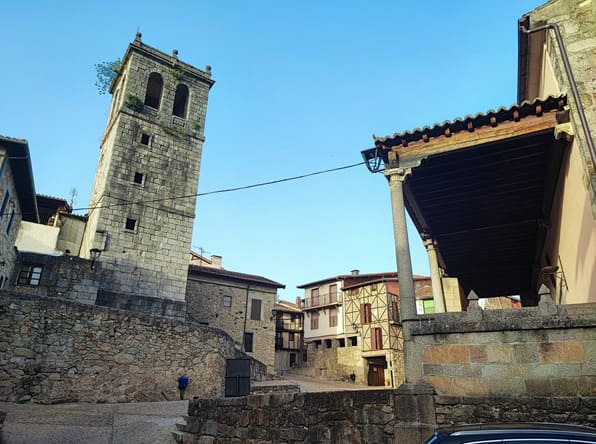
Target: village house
[(352, 328), (17, 203), (289, 344), (242, 305)]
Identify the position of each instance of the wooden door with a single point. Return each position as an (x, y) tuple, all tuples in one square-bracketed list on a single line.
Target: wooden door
[(376, 374)]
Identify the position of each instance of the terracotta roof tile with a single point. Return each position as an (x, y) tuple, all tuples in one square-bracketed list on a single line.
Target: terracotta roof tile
[(514, 112)]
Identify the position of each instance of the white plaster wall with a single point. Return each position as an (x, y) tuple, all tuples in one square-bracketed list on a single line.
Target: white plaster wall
[(37, 238)]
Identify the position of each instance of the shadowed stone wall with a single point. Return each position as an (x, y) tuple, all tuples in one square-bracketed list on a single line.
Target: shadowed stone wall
[(54, 350), (333, 417), (407, 415)]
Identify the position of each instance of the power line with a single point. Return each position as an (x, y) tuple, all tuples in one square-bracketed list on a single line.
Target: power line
[(225, 190)]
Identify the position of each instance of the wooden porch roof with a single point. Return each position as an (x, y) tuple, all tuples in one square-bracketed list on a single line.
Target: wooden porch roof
[(483, 188)]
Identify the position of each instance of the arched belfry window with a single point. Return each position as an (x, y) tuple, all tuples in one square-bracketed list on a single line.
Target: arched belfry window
[(181, 101), (154, 87)]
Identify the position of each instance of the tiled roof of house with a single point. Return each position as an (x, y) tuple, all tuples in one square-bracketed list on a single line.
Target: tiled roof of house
[(219, 272), (287, 306), (471, 122), (360, 277)]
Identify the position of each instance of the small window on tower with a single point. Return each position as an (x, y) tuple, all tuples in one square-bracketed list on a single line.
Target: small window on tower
[(131, 224), (139, 178), (145, 138)]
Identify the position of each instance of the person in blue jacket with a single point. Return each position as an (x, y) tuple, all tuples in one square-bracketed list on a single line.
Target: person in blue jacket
[(182, 384)]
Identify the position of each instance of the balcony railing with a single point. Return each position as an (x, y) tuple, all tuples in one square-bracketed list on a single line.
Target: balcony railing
[(287, 345), (288, 325), (323, 299)]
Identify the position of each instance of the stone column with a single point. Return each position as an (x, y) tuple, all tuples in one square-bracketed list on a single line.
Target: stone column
[(435, 275), (407, 299)]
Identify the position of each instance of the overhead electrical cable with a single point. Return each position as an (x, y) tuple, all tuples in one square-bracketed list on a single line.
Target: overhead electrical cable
[(225, 190)]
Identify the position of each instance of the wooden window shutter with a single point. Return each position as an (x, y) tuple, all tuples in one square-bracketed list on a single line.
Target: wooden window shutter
[(255, 310)]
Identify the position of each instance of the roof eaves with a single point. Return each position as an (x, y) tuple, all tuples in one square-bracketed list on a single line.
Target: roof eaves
[(20, 164), (234, 275), (489, 118)]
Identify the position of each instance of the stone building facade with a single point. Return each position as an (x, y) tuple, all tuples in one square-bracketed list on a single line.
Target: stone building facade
[(150, 157), (17, 202), (238, 303)]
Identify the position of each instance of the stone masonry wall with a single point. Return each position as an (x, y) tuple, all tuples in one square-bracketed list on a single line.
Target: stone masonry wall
[(336, 363), (66, 277), (407, 415), (204, 298), (59, 351), (147, 157), (536, 351), (331, 417), (452, 410)]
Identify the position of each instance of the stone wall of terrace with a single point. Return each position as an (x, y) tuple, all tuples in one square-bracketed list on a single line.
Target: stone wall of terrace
[(539, 351), (53, 350)]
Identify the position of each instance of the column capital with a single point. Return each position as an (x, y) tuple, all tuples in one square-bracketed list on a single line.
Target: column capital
[(398, 173)]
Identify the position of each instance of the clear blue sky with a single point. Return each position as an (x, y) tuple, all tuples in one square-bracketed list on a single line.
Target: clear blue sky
[(300, 86)]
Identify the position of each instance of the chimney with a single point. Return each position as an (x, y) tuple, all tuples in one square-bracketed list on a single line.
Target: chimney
[(216, 261), (355, 272), (298, 301)]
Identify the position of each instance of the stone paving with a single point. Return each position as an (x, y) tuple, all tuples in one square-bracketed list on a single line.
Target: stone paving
[(130, 423)]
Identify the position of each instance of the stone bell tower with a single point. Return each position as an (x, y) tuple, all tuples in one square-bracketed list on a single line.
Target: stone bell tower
[(142, 205)]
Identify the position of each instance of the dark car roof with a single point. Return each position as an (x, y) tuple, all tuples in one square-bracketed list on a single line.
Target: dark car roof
[(479, 432)]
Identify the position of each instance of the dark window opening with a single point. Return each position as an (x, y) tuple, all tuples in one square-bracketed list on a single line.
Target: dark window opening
[(131, 224), (318, 343), (328, 343), (341, 342), (248, 342), (139, 178), (365, 313), (180, 101), (145, 138), (30, 275), (154, 88), (353, 341), (291, 336), (255, 310)]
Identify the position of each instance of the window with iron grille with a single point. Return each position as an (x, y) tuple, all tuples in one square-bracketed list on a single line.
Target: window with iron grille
[(30, 274)]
